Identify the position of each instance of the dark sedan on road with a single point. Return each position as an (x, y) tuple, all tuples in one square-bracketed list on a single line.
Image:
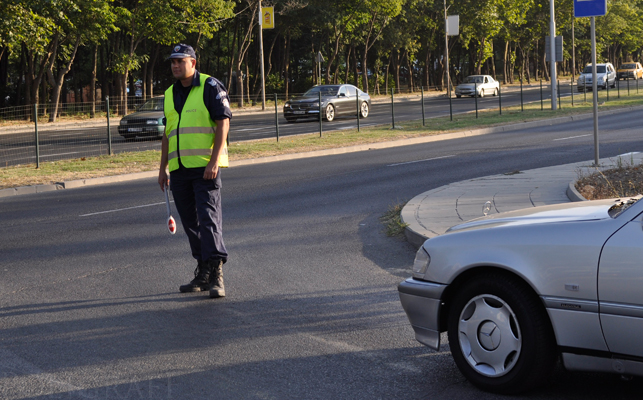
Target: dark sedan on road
[(335, 100), (147, 121)]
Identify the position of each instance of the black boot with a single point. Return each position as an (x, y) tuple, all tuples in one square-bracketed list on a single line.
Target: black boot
[(216, 278), (201, 280)]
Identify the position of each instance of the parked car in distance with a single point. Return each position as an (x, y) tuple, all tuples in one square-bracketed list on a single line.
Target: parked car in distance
[(484, 84), (147, 121), (517, 290), (630, 70), (605, 75), (336, 100)]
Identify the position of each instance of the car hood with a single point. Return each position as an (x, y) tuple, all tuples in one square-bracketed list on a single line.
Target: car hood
[(467, 85), (557, 213), (309, 99), (587, 76), (144, 115)]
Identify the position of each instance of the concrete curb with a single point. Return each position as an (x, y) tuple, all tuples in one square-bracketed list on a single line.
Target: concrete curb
[(573, 194)]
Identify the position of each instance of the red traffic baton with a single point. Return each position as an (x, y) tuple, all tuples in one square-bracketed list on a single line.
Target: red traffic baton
[(171, 223)]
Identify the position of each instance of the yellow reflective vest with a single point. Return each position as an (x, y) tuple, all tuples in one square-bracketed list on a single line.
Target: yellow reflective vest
[(191, 134)]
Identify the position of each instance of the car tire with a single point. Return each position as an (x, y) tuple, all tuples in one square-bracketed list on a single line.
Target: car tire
[(500, 335), (363, 110), (495, 92), (481, 92), (290, 120), (458, 96), (128, 137), (329, 113)]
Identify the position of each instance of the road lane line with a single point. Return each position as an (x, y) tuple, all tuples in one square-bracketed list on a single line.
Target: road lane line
[(572, 137), (123, 209), (417, 161)]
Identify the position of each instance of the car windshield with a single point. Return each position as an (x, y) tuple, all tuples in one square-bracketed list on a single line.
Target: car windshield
[(155, 104), (325, 91), (473, 79), (628, 66), (600, 69)]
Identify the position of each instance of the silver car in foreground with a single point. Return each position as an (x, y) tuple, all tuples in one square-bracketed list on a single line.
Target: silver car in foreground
[(517, 290)]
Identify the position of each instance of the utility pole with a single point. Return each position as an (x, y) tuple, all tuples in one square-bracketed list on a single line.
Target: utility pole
[(552, 59), (446, 49)]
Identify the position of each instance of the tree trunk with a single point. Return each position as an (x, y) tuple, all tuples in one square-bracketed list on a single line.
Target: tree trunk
[(505, 65), (92, 84), (287, 64), (348, 55), (388, 64)]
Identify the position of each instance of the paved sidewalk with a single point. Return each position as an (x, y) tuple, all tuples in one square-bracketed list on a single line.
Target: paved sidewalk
[(431, 213)]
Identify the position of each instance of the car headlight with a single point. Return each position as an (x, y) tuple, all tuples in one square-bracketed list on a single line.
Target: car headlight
[(315, 104), (421, 263), (287, 105), (152, 122), (123, 122), (600, 79)]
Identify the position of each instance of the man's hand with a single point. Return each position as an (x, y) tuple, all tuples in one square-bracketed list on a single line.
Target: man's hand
[(163, 180), (211, 170)]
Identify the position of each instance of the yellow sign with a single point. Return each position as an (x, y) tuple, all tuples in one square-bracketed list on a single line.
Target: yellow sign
[(268, 17)]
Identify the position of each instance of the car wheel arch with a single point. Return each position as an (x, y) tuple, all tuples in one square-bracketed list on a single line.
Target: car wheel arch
[(470, 274)]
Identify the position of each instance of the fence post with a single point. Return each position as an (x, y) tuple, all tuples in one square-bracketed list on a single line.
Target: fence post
[(571, 90), (618, 87), (628, 87), (358, 108), (450, 100), (500, 97), (35, 118), (109, 131), (422, 90), (541, 95), (393, 107), (320, 115), (276, 117), (522, 108), (475, 92), (560, 105)]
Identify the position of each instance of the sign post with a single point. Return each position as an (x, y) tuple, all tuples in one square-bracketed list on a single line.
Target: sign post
[(592, 9), (266, 21)]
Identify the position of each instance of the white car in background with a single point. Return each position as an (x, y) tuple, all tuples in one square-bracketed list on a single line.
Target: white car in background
[(483, 84), (516, 291), (605, 76)]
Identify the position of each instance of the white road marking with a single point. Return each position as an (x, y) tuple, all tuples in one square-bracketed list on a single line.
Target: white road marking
[(123, 209), (248, 129), (572, 137), (417, 161)]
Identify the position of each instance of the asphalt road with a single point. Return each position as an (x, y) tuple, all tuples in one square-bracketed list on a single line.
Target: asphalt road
[(81, 141), (89, 302)]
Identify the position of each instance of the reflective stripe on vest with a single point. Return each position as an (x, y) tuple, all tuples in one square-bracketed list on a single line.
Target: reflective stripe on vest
[(193, 140)]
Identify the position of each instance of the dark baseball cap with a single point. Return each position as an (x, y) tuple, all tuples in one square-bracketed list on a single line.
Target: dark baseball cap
[(182, 51)]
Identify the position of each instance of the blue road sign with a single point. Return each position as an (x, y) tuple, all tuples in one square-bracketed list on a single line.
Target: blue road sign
[(590, 8)]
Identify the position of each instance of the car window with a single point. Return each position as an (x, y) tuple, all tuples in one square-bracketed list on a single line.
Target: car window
[(351, 91), (600, 69), (342, 91), (473, 79), (155, 104), (325, 91), (628, 66)]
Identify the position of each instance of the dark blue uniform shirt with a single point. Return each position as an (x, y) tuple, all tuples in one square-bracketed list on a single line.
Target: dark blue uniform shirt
[(215, 97)]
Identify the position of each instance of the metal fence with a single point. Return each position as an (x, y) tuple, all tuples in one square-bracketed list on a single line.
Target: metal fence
[(25, 140)]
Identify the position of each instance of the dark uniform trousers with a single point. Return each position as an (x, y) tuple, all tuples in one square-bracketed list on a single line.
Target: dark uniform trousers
[(198, 202)]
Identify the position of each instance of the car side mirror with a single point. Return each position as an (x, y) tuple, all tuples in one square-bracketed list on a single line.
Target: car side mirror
[(342, 95)]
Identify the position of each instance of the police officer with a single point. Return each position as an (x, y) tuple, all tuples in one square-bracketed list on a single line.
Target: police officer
[(197, 113)]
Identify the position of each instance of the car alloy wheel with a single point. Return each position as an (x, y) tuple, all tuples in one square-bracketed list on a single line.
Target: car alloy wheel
[(364, 110), (495, 92), (330, 113), (500, 336)]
